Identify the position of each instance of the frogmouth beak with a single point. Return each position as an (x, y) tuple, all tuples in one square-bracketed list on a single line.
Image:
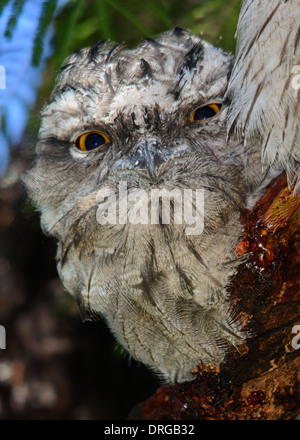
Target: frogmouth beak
[(148, 155)]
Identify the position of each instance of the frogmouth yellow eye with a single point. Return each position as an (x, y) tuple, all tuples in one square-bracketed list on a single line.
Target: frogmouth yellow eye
[(91, 140), (205, 112)]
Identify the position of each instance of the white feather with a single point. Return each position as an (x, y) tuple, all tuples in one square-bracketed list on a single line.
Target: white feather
[(265, 102)]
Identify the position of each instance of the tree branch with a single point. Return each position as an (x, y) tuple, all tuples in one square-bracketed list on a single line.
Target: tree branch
[(262, 380)]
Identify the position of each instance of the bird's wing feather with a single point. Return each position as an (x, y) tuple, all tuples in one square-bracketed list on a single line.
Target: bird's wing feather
[(264, 87)]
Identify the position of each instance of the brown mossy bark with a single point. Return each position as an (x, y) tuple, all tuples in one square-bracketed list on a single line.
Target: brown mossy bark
[(262, 379)]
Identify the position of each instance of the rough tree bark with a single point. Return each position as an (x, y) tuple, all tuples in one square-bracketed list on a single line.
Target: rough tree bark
[(262, 380)]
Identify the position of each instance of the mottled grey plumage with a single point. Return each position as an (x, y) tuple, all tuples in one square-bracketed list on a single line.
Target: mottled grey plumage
[(265, 83), (161, 291)]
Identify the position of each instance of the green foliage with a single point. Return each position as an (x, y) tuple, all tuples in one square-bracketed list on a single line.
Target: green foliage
[(66, 31), (46, 17), (3, 3), (217, 21), (17, 8), (83, 22)]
